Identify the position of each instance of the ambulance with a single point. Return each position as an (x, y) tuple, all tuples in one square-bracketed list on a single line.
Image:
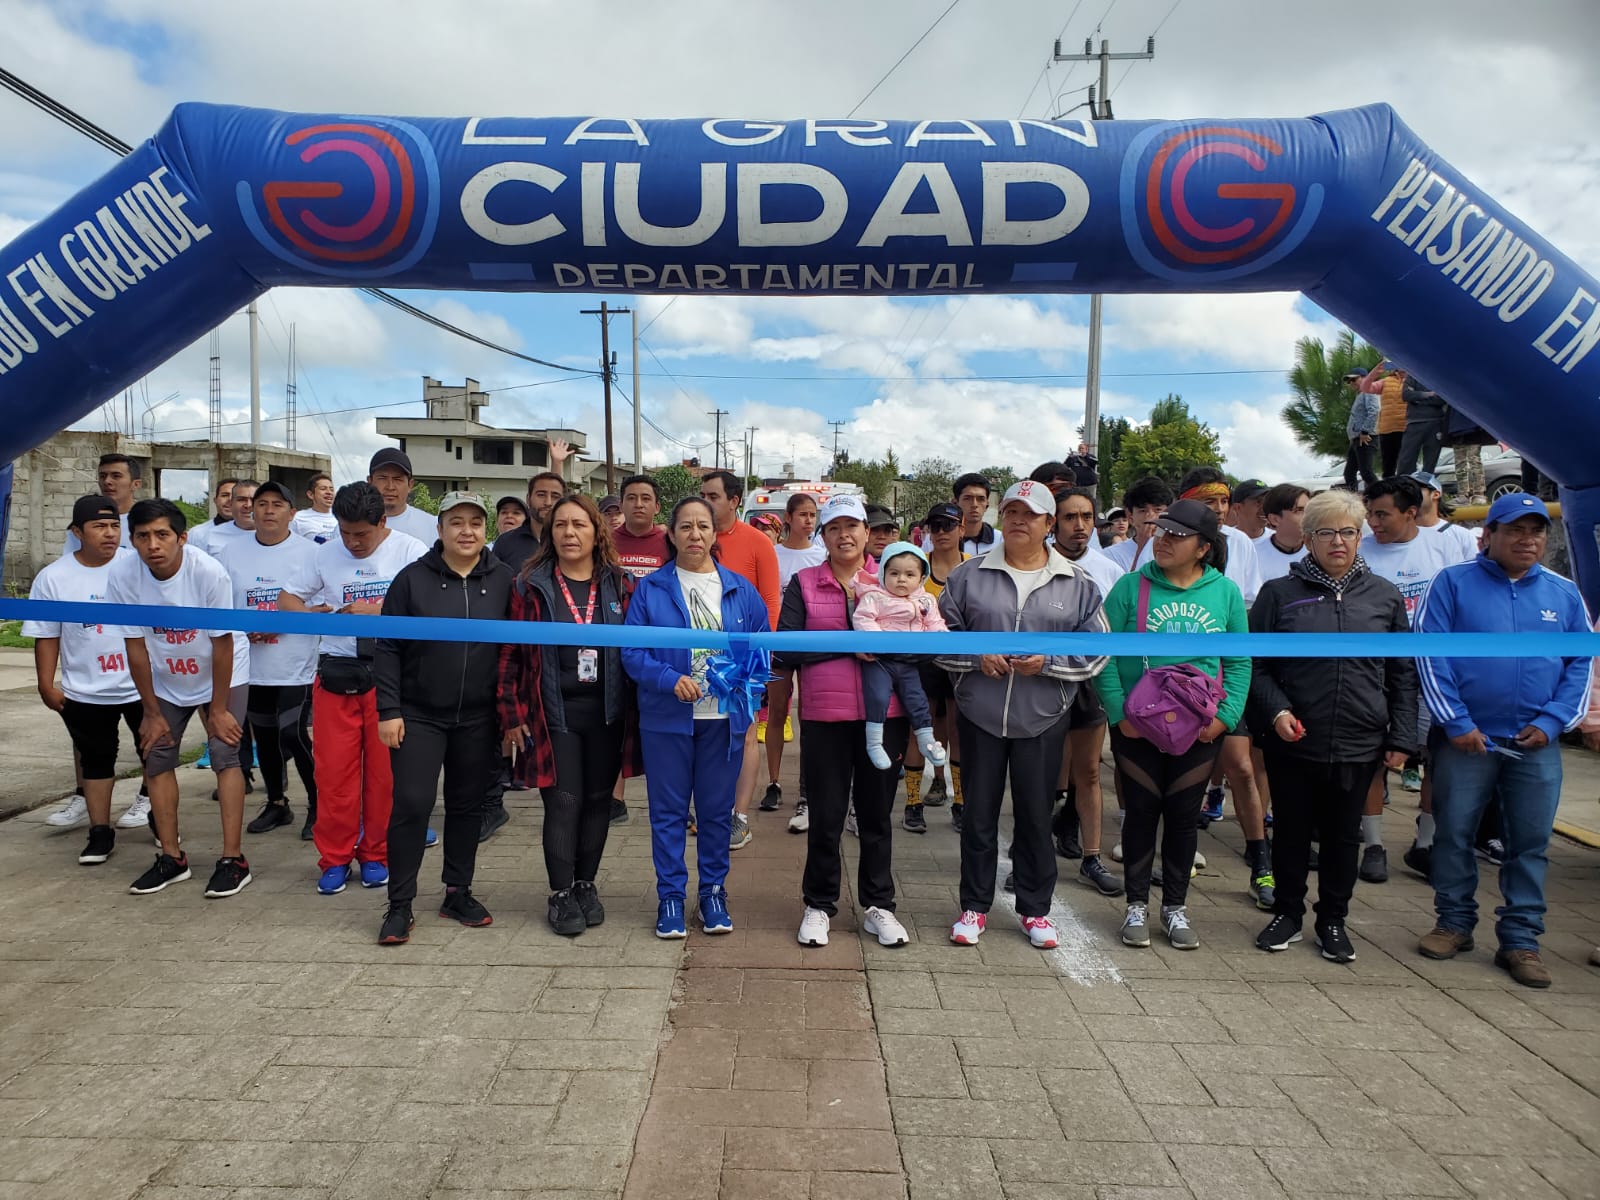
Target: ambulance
[(776, 499)]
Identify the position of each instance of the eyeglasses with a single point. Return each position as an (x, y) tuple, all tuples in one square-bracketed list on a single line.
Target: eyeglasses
[(942, 526), (1336, 535)]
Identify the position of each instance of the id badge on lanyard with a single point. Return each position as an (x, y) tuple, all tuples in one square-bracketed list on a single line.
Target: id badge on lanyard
[(588, 666), (588, 660)]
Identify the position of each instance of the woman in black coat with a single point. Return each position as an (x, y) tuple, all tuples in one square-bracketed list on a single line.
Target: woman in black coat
[(1327, 725)]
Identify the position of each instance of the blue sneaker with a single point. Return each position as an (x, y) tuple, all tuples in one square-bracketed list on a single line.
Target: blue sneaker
[(374, 875), (714, 912), (204, 761), (431, 839), (1211, 810), (333, 880), (669, 920)]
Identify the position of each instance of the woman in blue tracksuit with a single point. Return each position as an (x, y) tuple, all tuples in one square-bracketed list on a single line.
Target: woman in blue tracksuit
[(692, 750)]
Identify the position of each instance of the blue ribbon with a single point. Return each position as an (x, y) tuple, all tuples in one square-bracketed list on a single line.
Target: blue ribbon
[(738, 676), (549, 633)]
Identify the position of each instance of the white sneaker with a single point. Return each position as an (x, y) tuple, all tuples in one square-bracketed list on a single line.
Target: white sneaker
[(850, 825), (74, 812), (801, 821), (1199, 863), (886, 926), (1116, 852), (968, 928), (814, 928), (138, 814), (1041, 932)]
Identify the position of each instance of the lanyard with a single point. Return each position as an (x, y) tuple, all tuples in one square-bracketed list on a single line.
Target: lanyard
[(566, 594)]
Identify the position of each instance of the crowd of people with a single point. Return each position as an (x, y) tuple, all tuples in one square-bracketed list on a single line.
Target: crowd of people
[(1305, 747)]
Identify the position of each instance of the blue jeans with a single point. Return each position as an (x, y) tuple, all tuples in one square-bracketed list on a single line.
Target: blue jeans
[(1529, 789), (679, 770)]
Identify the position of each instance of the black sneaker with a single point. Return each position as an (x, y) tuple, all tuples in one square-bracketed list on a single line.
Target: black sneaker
[(594, 913), (311, 823), (459, 904), (938, 793), (1334, 942), (619, 812), (397, 926), (1281, 933), (566, 914), (915, 821), (231, 877), (1374, 864), (1420, 860), (102, 841), (494, 820), (1010, 885), (1068, 843), (771, 799), (273, 814), (955, 816), (166, 870), (1095, 873)]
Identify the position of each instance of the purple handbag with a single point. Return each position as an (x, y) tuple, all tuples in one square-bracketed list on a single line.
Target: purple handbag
[(1171, 706)]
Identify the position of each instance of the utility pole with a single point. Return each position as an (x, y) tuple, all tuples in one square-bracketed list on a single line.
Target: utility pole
[(837, 425), (716, 438), (750, 450), (1100, 110), (608, 370), (638, 441)]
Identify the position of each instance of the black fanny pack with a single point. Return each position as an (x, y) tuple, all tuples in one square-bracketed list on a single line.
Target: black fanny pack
[(345, 676)]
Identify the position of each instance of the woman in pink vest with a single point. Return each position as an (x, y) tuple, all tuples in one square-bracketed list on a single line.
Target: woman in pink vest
[(833, 743)]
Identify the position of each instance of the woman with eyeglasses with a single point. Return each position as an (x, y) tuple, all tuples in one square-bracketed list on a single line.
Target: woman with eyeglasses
[(943, 546), (1181, 590), (1326, 725)]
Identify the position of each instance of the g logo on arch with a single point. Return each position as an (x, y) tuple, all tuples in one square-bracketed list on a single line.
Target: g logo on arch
[(1211, 201), (362, 201)]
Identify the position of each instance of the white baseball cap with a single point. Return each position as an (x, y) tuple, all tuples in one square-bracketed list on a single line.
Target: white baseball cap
[(842, 506), (1037, 496)]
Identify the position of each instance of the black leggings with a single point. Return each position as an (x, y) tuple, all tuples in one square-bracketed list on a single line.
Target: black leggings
[(577, 811), (1389, 452), (281, 717), (1166, 790), (465, 752), (1324, 800)]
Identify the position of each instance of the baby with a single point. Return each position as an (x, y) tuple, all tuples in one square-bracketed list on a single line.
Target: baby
[(893, 601)]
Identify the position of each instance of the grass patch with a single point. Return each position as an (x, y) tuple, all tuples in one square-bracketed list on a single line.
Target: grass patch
[(11, 635)]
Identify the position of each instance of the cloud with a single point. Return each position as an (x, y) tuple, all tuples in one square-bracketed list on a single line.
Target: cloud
[(1252, 330), (1259, 445)]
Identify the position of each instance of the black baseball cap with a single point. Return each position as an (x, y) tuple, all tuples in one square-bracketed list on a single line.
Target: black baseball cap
[(1249, 489), (93, 508), (390, 457), (1186, 517), (512, 501), (610, 504), (273, 488), (943, 512), (878, 517)]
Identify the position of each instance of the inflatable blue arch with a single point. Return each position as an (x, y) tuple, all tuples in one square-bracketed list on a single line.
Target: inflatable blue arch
[(1348, 207)]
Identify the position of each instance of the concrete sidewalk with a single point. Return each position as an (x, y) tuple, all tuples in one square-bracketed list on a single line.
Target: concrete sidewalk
[(263, 1047)]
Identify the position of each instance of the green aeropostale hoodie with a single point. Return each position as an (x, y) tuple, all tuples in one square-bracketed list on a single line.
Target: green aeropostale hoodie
[(1212, 604)]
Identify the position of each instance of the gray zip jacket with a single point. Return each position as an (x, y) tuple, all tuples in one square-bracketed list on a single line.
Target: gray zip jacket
[(981, 597)]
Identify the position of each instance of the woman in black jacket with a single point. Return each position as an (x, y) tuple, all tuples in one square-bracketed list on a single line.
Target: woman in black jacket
[(1326, 725), (436, 710), (566, 711)]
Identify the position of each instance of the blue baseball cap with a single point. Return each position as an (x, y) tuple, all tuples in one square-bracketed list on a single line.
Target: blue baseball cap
[(1428, 480), (1514, 505)]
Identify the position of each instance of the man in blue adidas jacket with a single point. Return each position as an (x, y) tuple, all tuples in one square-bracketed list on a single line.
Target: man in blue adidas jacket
[(1497, 721)]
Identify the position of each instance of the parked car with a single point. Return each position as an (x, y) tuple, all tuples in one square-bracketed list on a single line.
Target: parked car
[(1502, 473)]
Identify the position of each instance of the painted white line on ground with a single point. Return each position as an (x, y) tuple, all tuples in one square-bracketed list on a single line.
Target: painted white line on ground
[(1080, 955)]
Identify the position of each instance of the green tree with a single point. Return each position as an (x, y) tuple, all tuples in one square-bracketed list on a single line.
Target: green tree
[(874, 475), (1321, 405), (1172, 442), (1109, 451), (929, 484), (194, 515), (1000, 478), (422, 498), (674, 482)]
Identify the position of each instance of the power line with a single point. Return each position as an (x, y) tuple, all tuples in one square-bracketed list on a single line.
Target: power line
[(902, 58)]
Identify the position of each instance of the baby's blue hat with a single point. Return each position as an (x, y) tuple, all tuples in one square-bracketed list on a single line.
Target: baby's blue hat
[(895, 548)]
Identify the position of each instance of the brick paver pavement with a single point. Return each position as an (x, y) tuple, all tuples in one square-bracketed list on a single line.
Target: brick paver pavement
[(263, 1047)]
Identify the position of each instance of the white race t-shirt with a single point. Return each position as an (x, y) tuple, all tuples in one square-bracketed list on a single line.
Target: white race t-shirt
[(94, 658), (315, 526), (1242, 567), (335, 577), (702, 596), (1463, 542), (73, 543), (1271, 562), (258, 573), (180, 659), (418, 524), (1099, 567), (1410, 566), (790, 561)]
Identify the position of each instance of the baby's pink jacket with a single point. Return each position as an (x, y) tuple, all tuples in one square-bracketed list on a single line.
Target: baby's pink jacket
[(880, 611)]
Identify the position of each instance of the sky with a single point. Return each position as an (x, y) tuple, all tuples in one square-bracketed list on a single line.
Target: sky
[(1510, 103)]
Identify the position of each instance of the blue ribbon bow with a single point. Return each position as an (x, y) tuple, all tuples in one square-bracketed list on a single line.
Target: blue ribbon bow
[(738, 677)]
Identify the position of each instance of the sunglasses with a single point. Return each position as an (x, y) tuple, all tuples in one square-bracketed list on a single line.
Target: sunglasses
[(942, 526)]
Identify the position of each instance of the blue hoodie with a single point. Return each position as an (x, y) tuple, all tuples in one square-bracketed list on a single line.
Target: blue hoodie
[(1500, 697), (658, 600)]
